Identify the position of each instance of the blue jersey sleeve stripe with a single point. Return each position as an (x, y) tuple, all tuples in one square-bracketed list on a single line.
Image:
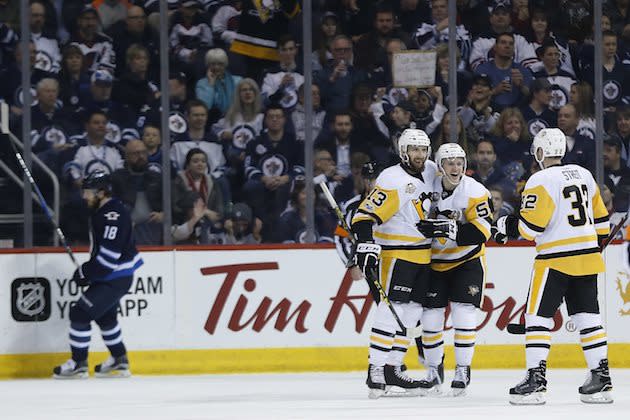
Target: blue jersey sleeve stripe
[(105, 263), (129, 264)]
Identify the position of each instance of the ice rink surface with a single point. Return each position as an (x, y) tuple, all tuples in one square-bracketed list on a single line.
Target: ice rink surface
[(295, 396)]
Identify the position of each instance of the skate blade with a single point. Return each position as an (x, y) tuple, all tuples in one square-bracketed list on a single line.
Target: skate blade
[(535, 398), (604, 397), (435, 391), (123, 373), (456, 392), (80, 375), (397, 392)]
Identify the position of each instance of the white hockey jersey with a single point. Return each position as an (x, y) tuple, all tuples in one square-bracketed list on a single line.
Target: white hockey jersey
[(563, 211), (483, 50), (469, 202), (397, 203)]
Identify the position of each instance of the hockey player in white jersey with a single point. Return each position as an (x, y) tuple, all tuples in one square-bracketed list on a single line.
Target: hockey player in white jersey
[(462, 224), (391, 249), (563, 211)]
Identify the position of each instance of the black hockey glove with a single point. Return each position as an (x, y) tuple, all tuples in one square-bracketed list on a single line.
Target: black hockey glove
[(504, 228), (366, 258), (438, 228), (78, 278)]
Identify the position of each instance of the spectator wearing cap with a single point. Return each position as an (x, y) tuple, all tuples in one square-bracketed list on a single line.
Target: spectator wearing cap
[(74, 81), (617, 170), (560, 80), (272, 160), (135, 89), (477, 113), (225, 23), (218, 87), (195, 178), (96, 47), (298, 116), (510, 80), (362, 120), (428, 108), (178, 97), (539, 34), (483, 46), (260, 26), (338, 77), (46, 45), (241, 228), (135, 30), (341, 142), (292, 225), (327, 30), (190, 36), (429, 35), (140, 189), (199, 136), (537, 113), (396, 119), (120, 122), (580, 149), (283, 79), (370, 51), (442, 65)]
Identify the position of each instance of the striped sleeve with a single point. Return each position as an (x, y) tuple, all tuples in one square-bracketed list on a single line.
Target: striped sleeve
[(600, 214), (537, 208)]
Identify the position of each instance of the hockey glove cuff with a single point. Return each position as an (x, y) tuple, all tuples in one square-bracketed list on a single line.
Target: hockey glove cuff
[(438, 228), (78, 277), (506, 226), (366, 258)]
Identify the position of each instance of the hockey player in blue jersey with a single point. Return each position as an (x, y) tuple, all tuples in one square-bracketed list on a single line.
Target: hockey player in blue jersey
[(109, 274)]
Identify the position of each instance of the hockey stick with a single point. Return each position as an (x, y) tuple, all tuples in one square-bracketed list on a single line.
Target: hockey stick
[(409, 332), (42, 201), (519, 329)]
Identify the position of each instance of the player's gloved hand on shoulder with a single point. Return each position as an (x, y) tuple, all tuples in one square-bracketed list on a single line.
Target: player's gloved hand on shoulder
[(505, 227), (366, 258), (438, 228), (79, 279)]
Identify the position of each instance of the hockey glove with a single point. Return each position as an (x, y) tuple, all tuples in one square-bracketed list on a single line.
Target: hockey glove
[(506, 226), (366, 258), (78, 278), (438, 228)]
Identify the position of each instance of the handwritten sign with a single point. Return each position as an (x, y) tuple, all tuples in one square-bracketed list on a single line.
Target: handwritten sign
[(414, 69)]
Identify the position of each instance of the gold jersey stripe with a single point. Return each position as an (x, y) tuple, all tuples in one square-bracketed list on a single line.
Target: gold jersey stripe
[(538, 337), (381, 340), (568, 241), (417, 256), (593, 338), (401, 341), (435, 338), (395, 237), (465, 337)]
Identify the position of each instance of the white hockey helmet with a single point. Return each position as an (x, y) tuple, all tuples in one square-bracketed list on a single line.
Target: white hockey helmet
[(551, 141), (450, 151), (412, 137)]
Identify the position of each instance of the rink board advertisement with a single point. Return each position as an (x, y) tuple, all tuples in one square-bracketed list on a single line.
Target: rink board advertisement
[(266, 309)]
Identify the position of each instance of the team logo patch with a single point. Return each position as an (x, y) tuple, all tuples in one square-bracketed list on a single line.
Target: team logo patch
[(177, 123), (30, 299), (113, 132), (536, 125), (242, 135), (473, 290), (273, 166), (43, 61), (611, 90), (261, 150), (623, 287), (410, 188), (112, 215), (559, 98)]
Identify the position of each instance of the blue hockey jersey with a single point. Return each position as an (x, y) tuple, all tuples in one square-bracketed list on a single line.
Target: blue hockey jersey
[(113, 252)]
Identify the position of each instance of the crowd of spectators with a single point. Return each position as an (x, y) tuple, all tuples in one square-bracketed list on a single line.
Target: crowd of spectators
[(237, 113)]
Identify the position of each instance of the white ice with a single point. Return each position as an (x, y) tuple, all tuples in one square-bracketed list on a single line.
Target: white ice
[(294, 396)]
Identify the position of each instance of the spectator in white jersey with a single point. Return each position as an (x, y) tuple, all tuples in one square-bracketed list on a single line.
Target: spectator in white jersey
[(561, 81), (283, 79), (96, 46), (190, 37), (225, 22), (540, 34), (298, 116), (582, 99), (477, 113), (482, 47), (47, 47)]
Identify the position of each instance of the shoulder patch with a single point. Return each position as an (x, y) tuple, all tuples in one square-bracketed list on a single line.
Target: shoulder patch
[(112, 215)]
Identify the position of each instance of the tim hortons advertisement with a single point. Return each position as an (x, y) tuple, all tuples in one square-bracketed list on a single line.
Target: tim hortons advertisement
[(259, 298)]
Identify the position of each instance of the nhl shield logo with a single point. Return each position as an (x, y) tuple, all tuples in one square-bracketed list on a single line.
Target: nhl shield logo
[(30, 298)]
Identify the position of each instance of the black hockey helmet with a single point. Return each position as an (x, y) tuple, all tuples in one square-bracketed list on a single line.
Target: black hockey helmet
[(370, 170), (97, 180)]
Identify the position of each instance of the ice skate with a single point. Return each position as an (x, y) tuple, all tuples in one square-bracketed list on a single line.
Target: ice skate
[(71, 370), (113, 368), (460, 381), (432, 384), (399, 384), (598, 386), (376, 381), (532, 389)]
